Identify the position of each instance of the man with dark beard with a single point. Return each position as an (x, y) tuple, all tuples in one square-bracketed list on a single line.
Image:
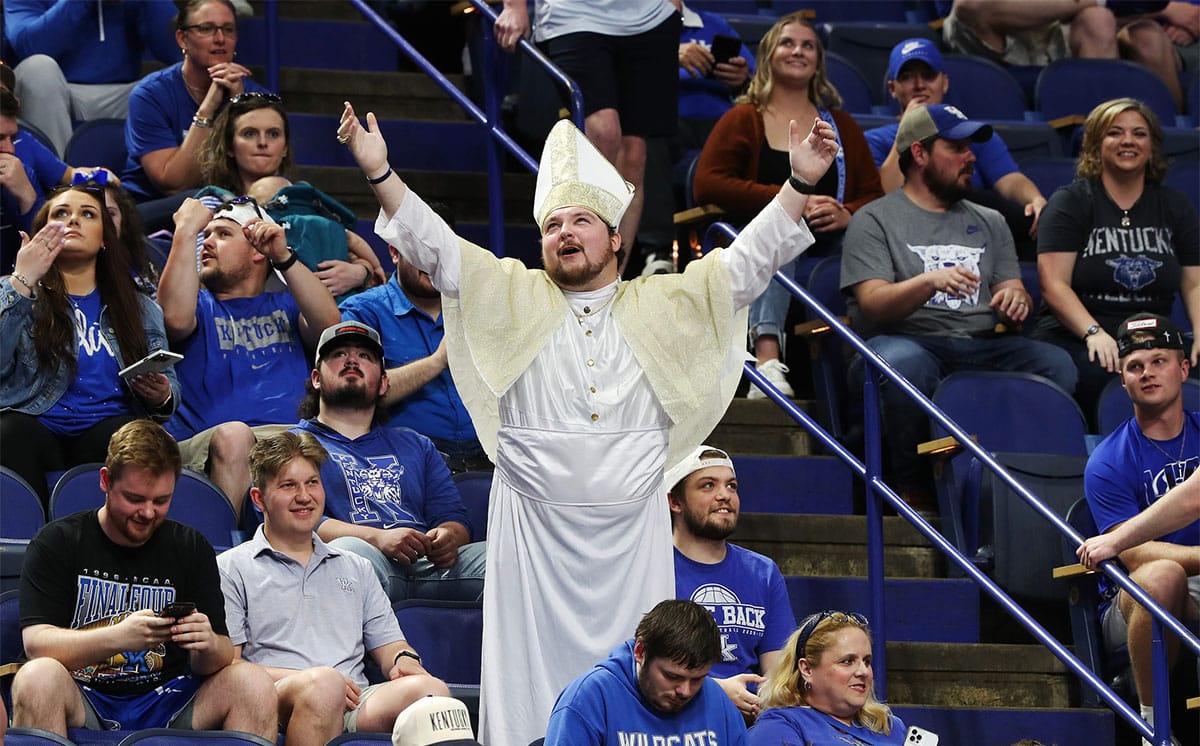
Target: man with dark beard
[(407, 311), (743, 590), (388, 493), (931, 277)]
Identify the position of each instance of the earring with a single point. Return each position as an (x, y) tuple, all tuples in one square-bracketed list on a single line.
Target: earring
[(807, 685)]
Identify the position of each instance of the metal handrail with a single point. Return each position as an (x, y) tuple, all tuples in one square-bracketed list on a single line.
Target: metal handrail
[(871, 473)]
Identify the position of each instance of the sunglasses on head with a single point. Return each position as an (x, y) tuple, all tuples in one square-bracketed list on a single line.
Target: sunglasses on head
[(93, 188), (245, 199), (248, 96), (810, 626)]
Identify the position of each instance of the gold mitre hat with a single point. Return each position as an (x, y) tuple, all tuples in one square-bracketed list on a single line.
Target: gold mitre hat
[(574, 174)]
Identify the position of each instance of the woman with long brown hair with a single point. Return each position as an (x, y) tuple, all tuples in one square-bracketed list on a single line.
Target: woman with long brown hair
[(71, 317)]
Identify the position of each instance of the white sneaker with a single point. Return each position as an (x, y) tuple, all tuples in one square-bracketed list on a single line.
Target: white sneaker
[(775, 372), (657, 266), (1174, 742)]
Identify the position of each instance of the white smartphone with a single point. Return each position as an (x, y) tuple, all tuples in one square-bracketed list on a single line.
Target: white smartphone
[(155, 362), (920, 737)]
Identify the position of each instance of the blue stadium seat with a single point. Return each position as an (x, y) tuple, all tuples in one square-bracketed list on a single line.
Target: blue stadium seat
[(849, 82), (448, 635), (1027, 139), (197, 502), (21, 512), (1185, 176), (996, 407), (12, 649), (983, 89), (1048, 173), (34, 737), (78, 489), (1113, 408), (171, 736), (40, 136), (1181, 144), (98, 142), (475, 487), (869, 45), (1075, 86), (1029, 278), (360, 739)]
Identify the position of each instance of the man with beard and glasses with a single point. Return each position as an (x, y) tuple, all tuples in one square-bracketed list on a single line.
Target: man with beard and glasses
[(652, 689), (582, 388), (243, 347), (742, 589), (407, 311), (388, 493), (934, 285)]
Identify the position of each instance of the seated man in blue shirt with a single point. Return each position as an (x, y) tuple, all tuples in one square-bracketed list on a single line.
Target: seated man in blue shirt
[(407, 311), (284, 588), (652, 689), (917, 77), (742, 589), (389, 496)]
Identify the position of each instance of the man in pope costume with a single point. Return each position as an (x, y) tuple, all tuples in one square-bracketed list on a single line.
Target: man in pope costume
[(582, 389)]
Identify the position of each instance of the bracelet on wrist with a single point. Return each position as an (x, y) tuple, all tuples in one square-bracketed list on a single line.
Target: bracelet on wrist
[(406, 654), (367, 278), (801, 186), (286, 264), (28, 285), (199, 121), (380, 179)]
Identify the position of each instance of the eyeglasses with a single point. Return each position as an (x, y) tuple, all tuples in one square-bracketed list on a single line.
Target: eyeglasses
[(812, 622), (248, 96), (208, 29), (80, 177)]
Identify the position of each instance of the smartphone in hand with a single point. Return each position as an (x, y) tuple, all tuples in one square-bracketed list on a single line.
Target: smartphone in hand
[(177, 610), (155, 362), (920, 737), (724, 48)]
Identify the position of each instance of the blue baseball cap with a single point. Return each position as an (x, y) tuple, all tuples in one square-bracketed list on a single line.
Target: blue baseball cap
[(942, 120), (914, 49)]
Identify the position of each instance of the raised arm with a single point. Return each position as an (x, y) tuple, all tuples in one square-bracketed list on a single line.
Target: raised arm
[(318, 310), (179, 285)]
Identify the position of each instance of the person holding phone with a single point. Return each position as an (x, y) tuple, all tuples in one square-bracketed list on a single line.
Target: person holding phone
[(822, 690), (71, 318), (103, 655)]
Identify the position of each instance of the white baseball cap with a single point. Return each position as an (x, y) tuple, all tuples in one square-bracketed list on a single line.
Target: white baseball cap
[(693, 463), (434, 721)]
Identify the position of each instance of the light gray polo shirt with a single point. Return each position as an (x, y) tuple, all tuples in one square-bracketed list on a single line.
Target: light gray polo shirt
[(288, 616)]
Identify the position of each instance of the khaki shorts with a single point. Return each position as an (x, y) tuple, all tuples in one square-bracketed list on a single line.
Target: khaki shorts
[(194, 450), (350, 719), (1039, 46)]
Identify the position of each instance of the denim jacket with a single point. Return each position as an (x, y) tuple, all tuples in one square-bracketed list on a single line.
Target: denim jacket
[(25, 387)]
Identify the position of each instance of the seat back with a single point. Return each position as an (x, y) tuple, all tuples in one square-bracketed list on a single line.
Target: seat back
[(1048, 174), (1083, 602), (1074, 86), (12, 648), (21, 512), (360, 739), (42, 137), (1029, 139), (1185, 176), (850, 83), (447, 634), (33, 737), (77, 489), (98, 142), (982, 89), (170, 736), (475, 487), (1113, 408)]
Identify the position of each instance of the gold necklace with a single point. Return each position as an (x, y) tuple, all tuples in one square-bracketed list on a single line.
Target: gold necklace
[(589, 311)]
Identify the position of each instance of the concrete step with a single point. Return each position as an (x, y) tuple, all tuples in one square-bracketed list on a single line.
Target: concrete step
[(835, 545), (794, 484), (391, 95), (759, 427), (906, 603), (978, 675)]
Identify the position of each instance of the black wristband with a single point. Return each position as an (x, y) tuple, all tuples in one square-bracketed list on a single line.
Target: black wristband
[(380, 179), (286, 264), (406, 654), (801, 187)]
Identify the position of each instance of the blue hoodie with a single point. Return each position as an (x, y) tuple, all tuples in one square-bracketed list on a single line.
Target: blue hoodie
[(604, 707)]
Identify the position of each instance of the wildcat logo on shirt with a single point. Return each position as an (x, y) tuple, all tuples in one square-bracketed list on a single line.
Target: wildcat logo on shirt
[(374, 489), (102, 602), (695, 738), (731, 614), (940, 256), (1133, 272)]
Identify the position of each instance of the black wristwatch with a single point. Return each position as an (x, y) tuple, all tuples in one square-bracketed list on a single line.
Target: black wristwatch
[(406, 654), (1093, 329), (286, 264)]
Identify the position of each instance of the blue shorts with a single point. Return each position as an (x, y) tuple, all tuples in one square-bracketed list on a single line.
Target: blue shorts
[(167, 706)]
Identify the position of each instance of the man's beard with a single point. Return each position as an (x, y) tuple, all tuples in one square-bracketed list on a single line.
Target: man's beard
[(704, 528), (948, 191), (348, 397), (577, 275)]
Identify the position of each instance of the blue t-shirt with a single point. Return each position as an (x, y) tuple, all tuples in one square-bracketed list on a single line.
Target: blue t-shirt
[(992, 159), (244, 362), (746, 594), (804, 726), (96, 392), (706, 98), (604, 707), (45, 171), (1126, 474), (388, 478), (409, 334), (160, 114)]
